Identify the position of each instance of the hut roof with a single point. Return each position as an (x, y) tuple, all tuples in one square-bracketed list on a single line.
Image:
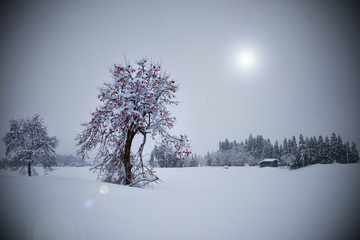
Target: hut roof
[(269, 160)]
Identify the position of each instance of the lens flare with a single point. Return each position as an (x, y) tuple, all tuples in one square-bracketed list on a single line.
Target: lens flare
[(104, 189), (88, 203)]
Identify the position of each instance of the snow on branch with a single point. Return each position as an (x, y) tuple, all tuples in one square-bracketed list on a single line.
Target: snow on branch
[(135, 102)]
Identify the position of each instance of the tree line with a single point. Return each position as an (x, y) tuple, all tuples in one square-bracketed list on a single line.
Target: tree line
[(69, 160), (164, 156), (291, 152)]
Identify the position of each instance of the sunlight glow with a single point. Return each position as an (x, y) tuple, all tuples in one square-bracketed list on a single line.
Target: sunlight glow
[(246, 59)]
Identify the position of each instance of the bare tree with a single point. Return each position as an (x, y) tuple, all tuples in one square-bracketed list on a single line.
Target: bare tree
[(28, 144)]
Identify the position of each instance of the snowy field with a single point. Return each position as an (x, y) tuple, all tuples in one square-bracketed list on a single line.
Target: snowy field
[(317, 202)]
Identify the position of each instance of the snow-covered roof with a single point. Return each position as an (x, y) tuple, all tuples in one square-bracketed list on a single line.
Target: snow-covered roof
[(269, 160)]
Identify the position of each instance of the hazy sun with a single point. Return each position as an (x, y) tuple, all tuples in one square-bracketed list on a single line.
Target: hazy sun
[(246, 59)]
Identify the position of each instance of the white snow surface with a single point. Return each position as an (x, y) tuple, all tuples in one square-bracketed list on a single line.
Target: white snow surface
[(316, 202)]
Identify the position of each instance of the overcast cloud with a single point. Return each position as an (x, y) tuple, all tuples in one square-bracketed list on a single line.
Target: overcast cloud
[(55, 54)]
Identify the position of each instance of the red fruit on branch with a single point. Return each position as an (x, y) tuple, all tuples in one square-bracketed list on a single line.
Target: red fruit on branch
[(141, 105)]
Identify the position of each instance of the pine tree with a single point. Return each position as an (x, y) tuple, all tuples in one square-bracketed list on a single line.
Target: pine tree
[(166, 158), (293, 146), (208, 159), (312, 145), (354, 154), (327, 151), (286, 148), (194, 161), (347, 152), (276, 152), (287, 157), (293, 151), (334, 150), (307, 160), (224, 146), (250, 145), (321, 151), (267, 149), (301, 158), (342, 157), (259, 145)]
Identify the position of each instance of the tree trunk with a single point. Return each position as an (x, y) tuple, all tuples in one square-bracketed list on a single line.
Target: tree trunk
[(29, 169), (127, 157)]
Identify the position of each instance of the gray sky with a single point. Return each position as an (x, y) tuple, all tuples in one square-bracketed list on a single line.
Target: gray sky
[(305, 79)]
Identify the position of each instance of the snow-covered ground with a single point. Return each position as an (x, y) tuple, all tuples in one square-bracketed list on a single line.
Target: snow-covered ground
[(317, 202)]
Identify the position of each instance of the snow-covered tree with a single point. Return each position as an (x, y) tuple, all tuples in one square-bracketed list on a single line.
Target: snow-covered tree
[(193, 161), (342, 157), (224, 155), (334, 148), (208, 159), (224, 146), (320, 151), (308, 151), (152, 161), (276, 151), (165, 157), (354, 154), (28, 144), (287, 156), (70, 160), (312, 150), (135, 102), (268, 149), (293, 145), (259, 146), (327, 151), (239, 156)]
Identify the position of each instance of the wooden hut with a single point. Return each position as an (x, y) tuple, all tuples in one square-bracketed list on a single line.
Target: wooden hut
[(270, 162)]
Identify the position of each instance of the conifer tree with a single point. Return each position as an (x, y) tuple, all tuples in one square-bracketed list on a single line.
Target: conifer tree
[(354, 154), (342, 158), (286, 148), (301, 155), (267, 149), (312, 153), (321, 151), (334, 150), (293, 145), (276, 152), (327, 151)]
